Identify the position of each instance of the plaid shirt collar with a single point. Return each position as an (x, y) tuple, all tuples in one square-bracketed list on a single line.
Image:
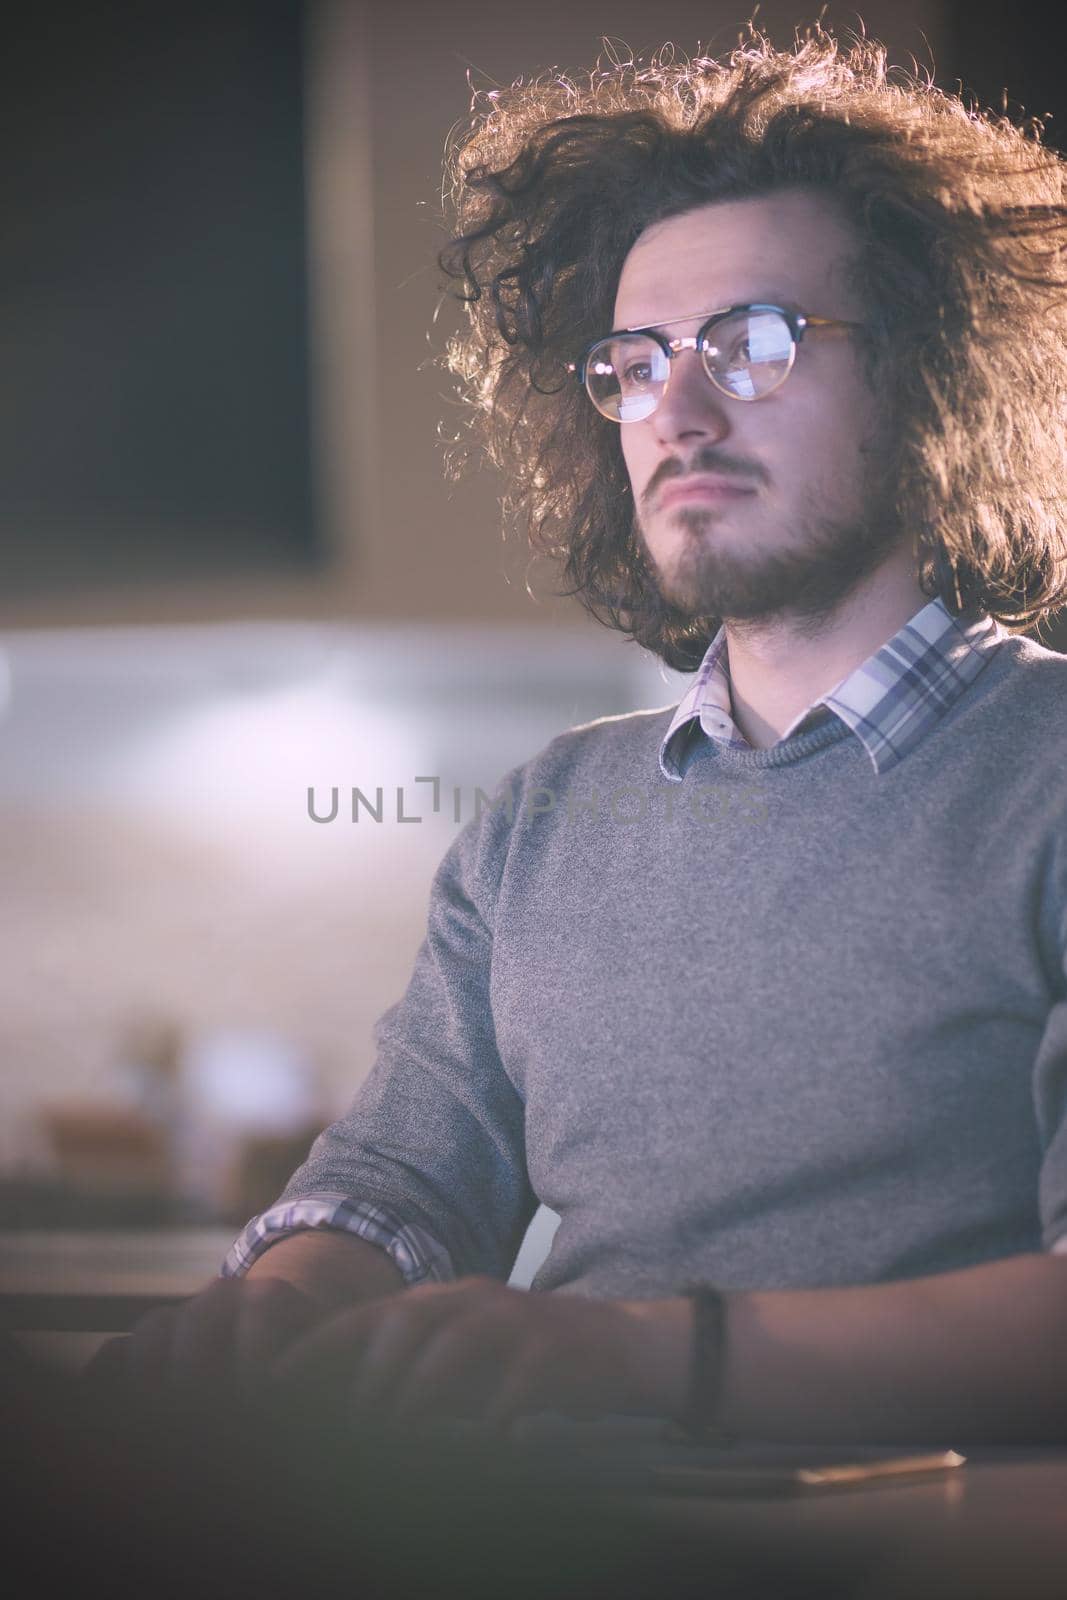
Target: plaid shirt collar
[(890, 701)]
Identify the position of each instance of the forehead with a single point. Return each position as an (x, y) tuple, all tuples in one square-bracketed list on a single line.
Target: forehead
[(791, 247)]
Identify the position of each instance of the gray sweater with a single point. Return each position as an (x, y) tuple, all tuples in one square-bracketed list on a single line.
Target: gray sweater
[(789, 1022)]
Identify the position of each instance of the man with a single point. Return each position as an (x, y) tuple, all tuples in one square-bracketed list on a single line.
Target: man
[(766, 992)]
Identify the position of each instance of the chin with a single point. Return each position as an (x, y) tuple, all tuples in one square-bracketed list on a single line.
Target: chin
[(698, 574), (688, 591)]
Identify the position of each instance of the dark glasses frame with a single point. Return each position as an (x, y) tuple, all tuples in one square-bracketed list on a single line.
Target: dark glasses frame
[(798, 322)]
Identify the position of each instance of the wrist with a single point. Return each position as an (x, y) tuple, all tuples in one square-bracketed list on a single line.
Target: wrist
[(660, 1354), (333, 1268)]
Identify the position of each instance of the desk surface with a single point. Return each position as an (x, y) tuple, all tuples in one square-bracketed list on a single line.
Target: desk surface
[(996, 1530)]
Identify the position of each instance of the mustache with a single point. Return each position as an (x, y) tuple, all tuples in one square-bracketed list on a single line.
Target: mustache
[(708, 460)]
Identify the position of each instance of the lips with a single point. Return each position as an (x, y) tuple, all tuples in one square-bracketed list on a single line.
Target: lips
[(704, 488)]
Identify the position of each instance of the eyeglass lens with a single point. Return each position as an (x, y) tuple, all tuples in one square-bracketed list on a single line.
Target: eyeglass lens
[(745, 355)]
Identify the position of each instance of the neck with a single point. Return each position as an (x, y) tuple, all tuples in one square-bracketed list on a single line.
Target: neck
[(780, 668)]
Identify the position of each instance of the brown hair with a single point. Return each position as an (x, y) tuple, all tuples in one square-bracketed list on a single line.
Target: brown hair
[(961, 223)]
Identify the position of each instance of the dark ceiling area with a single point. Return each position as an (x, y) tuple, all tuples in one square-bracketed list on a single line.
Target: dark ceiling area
[(996, 48)]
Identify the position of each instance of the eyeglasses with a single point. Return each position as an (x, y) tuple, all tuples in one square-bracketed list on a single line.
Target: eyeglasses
[(747, 352)]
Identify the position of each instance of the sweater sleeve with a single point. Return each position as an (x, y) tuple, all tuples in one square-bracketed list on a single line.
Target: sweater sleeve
[(435, 1135)]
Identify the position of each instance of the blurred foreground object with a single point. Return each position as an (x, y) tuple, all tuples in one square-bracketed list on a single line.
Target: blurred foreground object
[(167, 1498), (214, 1500)]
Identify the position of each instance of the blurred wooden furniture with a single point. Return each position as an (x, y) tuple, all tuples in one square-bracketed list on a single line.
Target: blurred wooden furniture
[(64, 1292)]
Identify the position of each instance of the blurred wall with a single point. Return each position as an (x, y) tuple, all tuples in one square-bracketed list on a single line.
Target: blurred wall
[(384, 85), (164, 876)]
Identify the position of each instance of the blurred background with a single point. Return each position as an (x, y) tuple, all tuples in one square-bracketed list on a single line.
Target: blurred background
[(232, 570)]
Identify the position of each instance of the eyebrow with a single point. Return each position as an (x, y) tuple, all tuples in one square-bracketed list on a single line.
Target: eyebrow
[(786, 302)]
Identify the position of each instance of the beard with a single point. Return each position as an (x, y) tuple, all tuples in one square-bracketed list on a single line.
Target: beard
[(805, 585)]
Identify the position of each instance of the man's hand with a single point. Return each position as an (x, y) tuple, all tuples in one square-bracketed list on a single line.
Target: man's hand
[(477, 1350), (221, 1343), (218, 1345)]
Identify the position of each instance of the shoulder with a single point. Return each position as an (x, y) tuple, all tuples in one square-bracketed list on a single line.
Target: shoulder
[(610, 748), (1010, 745), (1038, 661), (518, 816), (1028, 689)]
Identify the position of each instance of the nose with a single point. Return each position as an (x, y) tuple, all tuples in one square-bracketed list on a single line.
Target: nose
[(692, 407)]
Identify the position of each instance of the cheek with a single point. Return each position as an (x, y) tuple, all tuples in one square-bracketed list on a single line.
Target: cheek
[(828, 438), (856, 408), (631, 455), (642, 451)]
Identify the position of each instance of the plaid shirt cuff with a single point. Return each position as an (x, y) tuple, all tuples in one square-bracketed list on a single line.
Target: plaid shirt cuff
[(414, 1252)]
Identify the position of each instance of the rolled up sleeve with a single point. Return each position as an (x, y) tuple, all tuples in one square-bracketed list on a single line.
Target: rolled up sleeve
[(430, 1156)]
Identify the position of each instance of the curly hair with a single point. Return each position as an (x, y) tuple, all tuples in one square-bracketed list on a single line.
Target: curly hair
[(961, 227)]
